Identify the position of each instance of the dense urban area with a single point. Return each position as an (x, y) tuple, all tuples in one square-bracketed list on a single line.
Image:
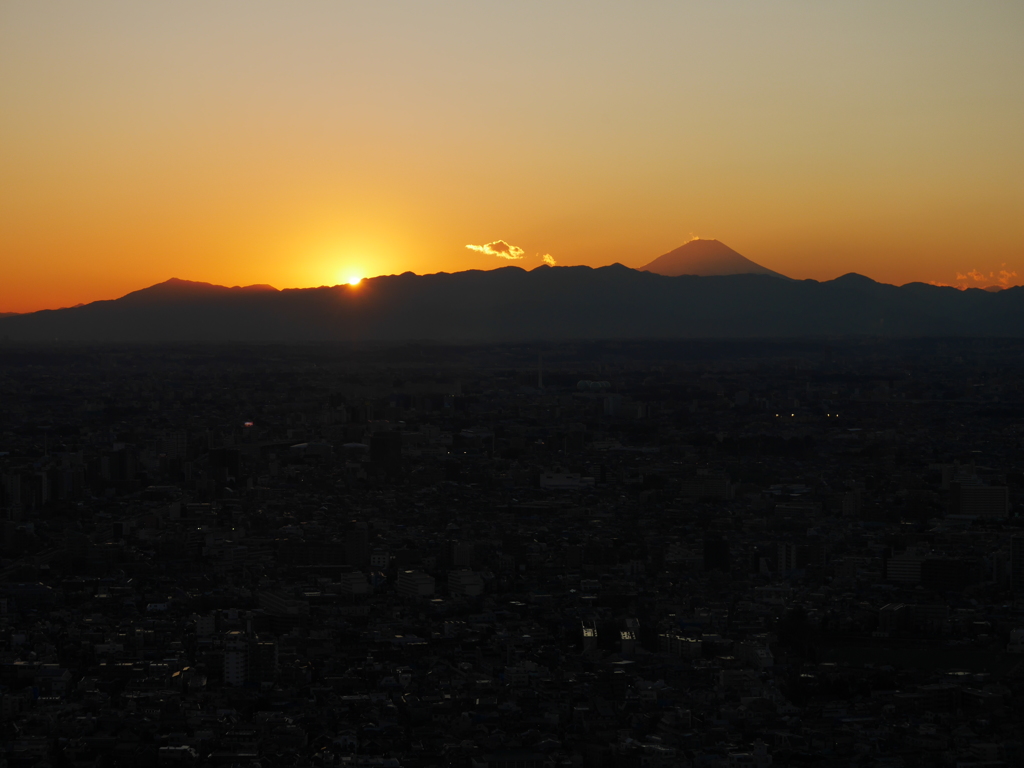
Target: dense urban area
[(699, 554)]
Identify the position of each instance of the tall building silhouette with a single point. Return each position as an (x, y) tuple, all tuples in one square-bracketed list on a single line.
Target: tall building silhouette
[(1017, 565), (716, 553)]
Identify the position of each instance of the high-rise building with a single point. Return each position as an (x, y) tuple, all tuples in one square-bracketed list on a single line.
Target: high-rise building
[(462, 554), (353, 583), (174, 444), (904, 568), (284, 611), (945, 573), (414, 584), (979, 500), (262, 661), (386, 450), (465, 582), (206, 625), (707, 485), (236, 659), (787, 557), (716, 553), (10, 495), (248, 660), (357, 545), (589, 632), (1017, 565)]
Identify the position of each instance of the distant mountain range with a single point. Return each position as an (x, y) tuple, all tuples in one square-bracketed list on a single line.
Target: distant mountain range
[(546, 303), (705, 258)]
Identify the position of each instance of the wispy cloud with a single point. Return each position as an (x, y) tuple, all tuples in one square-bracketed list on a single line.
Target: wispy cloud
[(978, 279), (975, 275), (548, 259), (499, 248)]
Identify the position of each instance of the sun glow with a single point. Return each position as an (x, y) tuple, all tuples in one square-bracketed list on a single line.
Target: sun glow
[(355, 280)]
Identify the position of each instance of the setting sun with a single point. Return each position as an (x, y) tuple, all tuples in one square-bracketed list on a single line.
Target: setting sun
[(355, 280)]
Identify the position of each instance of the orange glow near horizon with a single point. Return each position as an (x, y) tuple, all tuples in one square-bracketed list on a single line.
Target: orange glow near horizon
[(242, 143)]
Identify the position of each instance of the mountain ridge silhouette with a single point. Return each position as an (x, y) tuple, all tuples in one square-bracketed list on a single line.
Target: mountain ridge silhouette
[(512, 304)]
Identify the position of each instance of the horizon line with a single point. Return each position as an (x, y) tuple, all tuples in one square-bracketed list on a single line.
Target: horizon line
[(991, 288)]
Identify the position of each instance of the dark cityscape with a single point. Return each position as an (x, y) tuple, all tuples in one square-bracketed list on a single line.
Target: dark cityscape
[(679, 553)]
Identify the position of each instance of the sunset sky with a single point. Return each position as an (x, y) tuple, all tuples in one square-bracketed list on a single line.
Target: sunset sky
[(305, 143)]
